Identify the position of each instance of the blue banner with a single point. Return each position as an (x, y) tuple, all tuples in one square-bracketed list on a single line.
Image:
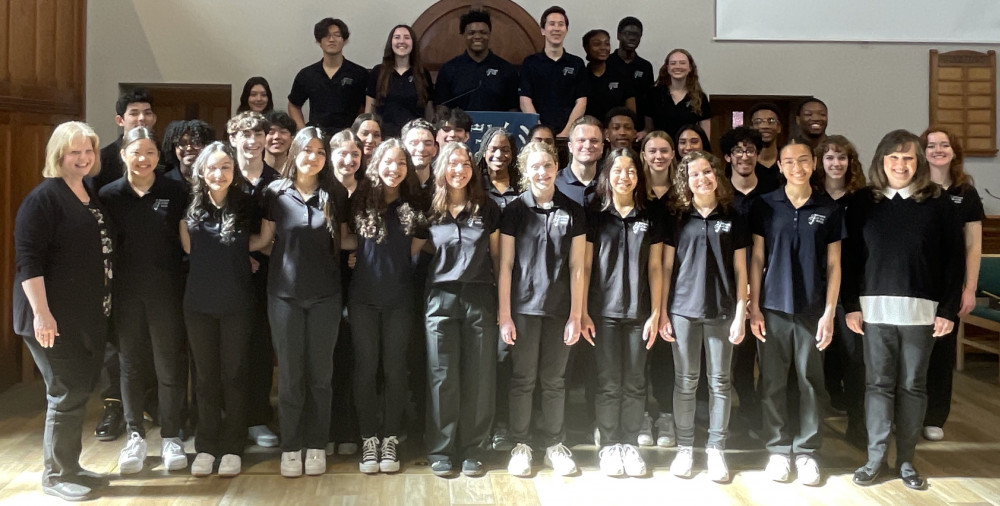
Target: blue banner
[(517, 123)]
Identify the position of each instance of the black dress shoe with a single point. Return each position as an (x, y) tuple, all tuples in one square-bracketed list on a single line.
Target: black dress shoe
[(911, 478), (864, 476), (112, 424)]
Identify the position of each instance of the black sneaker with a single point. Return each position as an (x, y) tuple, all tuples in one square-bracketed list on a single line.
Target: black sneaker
[(112, 424), (441, 467), (501, 441), (472, 467)]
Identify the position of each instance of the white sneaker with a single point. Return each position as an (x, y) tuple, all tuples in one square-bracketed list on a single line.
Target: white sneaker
[(611, 460), (230, 465), (347, 448), (133, 455), (389, 463), (202, 465), (172, 454), (718, 471), (665, 437), (807, 470), (778, 468), (681, 466), (560, 459), (369, 456), (291, 464), (932, 433), (646, 431), (262, 436), (315, 462), (633, 461), (520, 460)]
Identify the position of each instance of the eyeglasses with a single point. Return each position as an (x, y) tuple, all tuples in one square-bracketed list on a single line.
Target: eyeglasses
[(763, 121), (741, 152)]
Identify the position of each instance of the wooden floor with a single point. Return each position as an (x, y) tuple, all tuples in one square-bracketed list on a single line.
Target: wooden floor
[(963, 469)]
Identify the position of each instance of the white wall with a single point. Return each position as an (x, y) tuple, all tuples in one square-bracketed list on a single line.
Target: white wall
[(870, 88)]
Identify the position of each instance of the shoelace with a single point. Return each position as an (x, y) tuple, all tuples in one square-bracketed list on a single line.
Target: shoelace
[(389, 448), (630, 452), (132, 448), (369, 451), (521, 450), (171, 447), (613, 451), (561, 451)]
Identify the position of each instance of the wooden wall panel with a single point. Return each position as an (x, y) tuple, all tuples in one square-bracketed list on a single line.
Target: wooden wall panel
[(4, 28)]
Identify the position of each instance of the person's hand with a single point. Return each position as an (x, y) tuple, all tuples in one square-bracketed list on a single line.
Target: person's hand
[(737, 330), (667, 329), (254, 265), (650, 330), (46, 329), (968, 302), (507, 331), (572, 332), (352, 260), (588, 328), (757, 325), (824, 331), (854, 322), (942, 327)]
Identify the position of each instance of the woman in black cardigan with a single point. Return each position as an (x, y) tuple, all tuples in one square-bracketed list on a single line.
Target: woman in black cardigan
[(62, 298)]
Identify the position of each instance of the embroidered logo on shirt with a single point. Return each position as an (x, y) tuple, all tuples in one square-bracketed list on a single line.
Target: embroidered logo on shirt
[(161, 204), (347, 81), (562, 219), (492, 72), (817, 219), (638, 74), (612, 86), (476, 221), (723, 226), (568, 71), (639, 226), (410, 79), (956, 199)]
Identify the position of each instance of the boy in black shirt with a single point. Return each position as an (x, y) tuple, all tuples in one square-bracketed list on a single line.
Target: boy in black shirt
[(552, 82), (477, 79), (334, 86), (627, 63)]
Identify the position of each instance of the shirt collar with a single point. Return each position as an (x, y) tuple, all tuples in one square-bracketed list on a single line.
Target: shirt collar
[(904, 193)]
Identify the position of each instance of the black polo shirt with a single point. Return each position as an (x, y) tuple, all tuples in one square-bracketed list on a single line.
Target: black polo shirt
[(670, 117), (400, 103), (147, 241), (462, 247), (968, 205), (335, 101), (489, 85), (383, 276), (744, 201), (219, 280), (795, 244), (619, 281), (607, 91), (306, 266), (503, 198), (640, 74), (542, 242), (704, 276), (175, 174), (112, 166), (769, 177), (570, 186), (553, 86)]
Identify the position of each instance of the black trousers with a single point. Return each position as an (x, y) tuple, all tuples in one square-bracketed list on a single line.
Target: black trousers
[(504, 372), (151, 337), (381, 336), (661, 376), (462, 334), (304, 335), (343, 418), (260, 355), (896, 359), (538, 356), (219, 345), (620, 354), (745, 380), (111, 373), (940, 373), (791, 344), (850, 347), (70, 372)]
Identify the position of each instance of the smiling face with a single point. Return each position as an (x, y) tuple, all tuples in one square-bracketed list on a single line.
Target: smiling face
[(477, 37), (140, 158), (543, 135), (688, 141), (678, 65), (402, 42), (767, 123), (835, 163), (218, 171), (392, 167), (701, 178), (137, 114), (451, 133), (346, 159), (370, 135), (541, 172), (421, 146), (311, 160), (797, 164), (620, 132), (939, 152), (743, 158), (554, 30), (78, 157), (598, 48), (278, 140), (812, 119), (249, 144), (459, 169), (586, 144), (658, 154), (498, 153), (624, 176), (187, 151), (900, 166), (257, 100)]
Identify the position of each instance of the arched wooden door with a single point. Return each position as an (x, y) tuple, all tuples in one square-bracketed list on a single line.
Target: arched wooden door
[(515, 33)]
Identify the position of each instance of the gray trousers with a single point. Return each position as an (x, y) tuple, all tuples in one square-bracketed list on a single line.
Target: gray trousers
[(791, 342), (896, 360), (538, 356), (620, 402), (691, 335)]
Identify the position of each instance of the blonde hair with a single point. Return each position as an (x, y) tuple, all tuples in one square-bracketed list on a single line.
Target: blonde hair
[(528, 150), (62, 136)]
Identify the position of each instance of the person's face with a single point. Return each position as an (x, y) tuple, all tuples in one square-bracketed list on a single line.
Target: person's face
[(812, 119), (599, 47), (835, 164), (346, 160), (218, 171), (544, 135), (797, 164), (767, 123), (140, 157), (623, 176), (451, 133), (629, 37), (701, 178), (78, 157), (311, 159), (333, 43), (420, 144), (249, 143), (402, 43), (743, 158), (392, 167), (370, 135), (900, 166), (587, 144), (678, 65), (459, 171), (477, 37), (688, 141), (137, 114), (541, 172), (498, 153), (658, 154), (939, 151), (278, 140), (187, 150), (257, 100), (554, 29), (620, 132)]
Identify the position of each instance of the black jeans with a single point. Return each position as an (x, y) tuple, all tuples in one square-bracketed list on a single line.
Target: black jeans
[(343, 418), (260, 354), (219, 350), (151, 337), (538, 355), (661, 376), (620, 354), (462, 335), (304, 335), (381, 336), (850, 346), (70, 372), (744, 378), (940, 372)]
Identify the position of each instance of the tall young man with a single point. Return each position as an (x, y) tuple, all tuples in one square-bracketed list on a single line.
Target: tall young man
[(627, 63), (811, 119), (477, 79), (333, 86), (552, 82)]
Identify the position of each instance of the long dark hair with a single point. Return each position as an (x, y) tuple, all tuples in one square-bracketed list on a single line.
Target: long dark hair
[(369, 202), (388, 68), (898, 140), (604, 190), (326, 179), (474, 193), (245, 96), (234, 215), (482, 164)]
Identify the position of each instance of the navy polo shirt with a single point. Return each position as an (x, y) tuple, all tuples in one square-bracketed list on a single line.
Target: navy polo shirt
[(384, 273), (619, 281), (489, 85), (570, 186), (542, 242), (400, 104), (704, 276), (305, 264), (147, 241), (968, 205), (553, 86), (219, 280), (502, 198), (607, 91), (670, 117), (639, 73), (335, 101), (795, 244), (462, 246)]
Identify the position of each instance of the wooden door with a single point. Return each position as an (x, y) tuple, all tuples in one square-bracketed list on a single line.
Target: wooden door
[(727, 110), (210, 103)]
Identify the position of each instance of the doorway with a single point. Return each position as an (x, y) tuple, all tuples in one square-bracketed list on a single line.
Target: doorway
[(730, 111), (211, 103)]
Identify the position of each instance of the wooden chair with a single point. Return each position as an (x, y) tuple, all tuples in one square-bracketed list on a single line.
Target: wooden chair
[(982, 316)]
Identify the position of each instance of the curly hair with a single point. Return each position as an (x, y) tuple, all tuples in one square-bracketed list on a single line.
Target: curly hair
[(692, 83), (854, 179), (234, 212), (605, 191), (474, 193), (683, 197), (370, 205)]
